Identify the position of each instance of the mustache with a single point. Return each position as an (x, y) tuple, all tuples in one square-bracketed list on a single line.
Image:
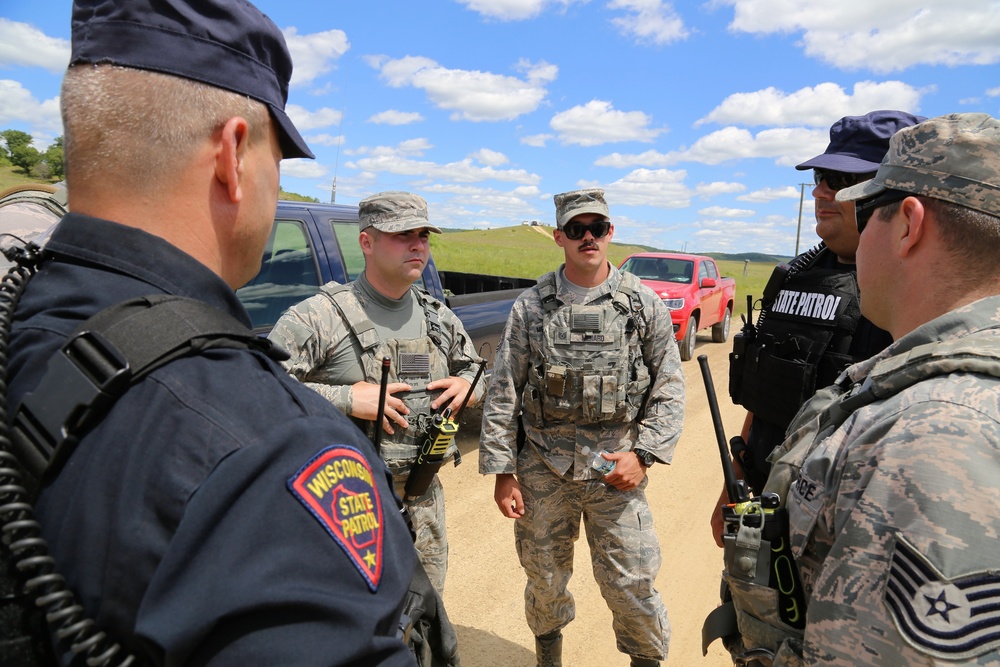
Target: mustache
[(588, 245)]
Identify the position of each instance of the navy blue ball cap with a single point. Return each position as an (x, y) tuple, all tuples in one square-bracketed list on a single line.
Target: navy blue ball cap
[(858, 143), (228, 44)]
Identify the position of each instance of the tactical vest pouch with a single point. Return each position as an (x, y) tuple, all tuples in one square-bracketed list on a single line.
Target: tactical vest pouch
[(774, 388)]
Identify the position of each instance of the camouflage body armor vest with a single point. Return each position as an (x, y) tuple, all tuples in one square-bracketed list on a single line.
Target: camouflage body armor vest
[(416, 361), (765, 636), (590, 367)]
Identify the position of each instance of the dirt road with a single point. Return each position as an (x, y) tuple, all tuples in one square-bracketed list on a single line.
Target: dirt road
[(484, 593)]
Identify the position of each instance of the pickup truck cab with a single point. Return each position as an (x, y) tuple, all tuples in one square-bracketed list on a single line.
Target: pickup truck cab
[(691, 287), (312, 244)]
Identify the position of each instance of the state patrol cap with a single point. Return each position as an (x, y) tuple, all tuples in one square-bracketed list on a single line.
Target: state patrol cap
[(858, 143), (228, 44), (393, 212), (571, 204), (955, 158)]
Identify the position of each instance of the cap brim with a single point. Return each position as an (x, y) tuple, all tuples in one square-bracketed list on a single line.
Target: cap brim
[(292, 143), (862, 190), (599, 210), (834, 162)]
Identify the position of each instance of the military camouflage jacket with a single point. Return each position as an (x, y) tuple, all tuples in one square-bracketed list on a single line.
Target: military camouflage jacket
[(656, 429), (325, 355), (895, 515)]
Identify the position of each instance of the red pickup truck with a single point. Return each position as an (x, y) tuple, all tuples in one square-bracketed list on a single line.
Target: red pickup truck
[(691, 287)]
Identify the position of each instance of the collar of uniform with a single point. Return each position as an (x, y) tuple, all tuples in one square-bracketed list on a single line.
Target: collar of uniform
[(607, 287), (981, 315), (143, 256), (367, 291)]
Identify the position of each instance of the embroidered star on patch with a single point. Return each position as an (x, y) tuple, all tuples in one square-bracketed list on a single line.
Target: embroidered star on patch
[(956, 619), (338, 488)]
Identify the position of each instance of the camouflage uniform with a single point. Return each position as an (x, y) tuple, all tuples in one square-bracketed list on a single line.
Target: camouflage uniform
[(890, 476), (339, 337), (892, 521), (557, 483)]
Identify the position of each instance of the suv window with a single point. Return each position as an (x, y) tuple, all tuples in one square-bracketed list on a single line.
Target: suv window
[(288, 274)]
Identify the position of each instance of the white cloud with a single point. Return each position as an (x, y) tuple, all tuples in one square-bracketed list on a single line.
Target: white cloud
[(305, 120), (17, 104), (884, 36), (23, 44), (400, 160), (771, 194), (325, 139), (993, 92), (597, 122), (512, 10), (315, 54), (708, 190), (789, 146), (660, 188), (470, 94), (649, 21), (393, 117), (303, 168), (817, 106), (489, 158), (537, 140), (723, 212)]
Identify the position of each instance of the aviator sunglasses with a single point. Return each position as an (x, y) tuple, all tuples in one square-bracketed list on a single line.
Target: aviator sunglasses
[(576, 230), (865, 208), (838, 180)]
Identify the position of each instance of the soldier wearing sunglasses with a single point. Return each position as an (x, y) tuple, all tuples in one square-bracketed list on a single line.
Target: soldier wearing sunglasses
[(589, 367), (793, 350)]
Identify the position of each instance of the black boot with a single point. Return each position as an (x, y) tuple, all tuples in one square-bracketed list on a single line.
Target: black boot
[(644, 662), (548, 649)]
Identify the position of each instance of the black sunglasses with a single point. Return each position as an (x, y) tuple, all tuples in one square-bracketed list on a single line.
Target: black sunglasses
[(865, 208), (838, 180), (576, 230)]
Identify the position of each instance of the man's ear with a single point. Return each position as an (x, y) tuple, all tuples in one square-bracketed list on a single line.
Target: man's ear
[(366, 242), (233, 144), (558, 236), (913, 225)]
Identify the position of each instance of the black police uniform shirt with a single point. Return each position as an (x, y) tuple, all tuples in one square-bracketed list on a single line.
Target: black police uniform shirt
[(866, 341), (221, 513)]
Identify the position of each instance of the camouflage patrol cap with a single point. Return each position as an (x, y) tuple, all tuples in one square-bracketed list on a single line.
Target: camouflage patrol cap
[(571, 204), (955, 158), (394, 212)]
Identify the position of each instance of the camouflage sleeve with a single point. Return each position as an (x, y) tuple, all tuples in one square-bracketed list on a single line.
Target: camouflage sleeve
[(498, 436), (661, 422), (900, 560), (307, 331), (463, 360)]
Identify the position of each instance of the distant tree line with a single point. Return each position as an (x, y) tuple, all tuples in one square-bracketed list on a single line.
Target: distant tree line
[(16, 150)]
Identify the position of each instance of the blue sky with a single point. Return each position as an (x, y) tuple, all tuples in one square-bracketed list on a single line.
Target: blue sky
[(690, 115)]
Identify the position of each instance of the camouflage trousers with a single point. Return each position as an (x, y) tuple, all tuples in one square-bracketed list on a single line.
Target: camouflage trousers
[(427, 517), (624, 553)]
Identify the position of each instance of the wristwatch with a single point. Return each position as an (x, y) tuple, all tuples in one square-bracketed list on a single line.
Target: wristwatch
[(645, 458)]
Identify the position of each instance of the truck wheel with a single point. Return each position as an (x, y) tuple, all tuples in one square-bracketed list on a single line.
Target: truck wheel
[(720, 332), (687, 345)]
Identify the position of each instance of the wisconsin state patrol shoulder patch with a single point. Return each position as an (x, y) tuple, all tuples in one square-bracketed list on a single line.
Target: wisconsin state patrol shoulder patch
[(338, 488), (956, 619)]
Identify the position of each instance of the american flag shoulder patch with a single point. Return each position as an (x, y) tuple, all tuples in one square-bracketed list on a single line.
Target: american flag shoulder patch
[(952, 619), (338, 488)]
